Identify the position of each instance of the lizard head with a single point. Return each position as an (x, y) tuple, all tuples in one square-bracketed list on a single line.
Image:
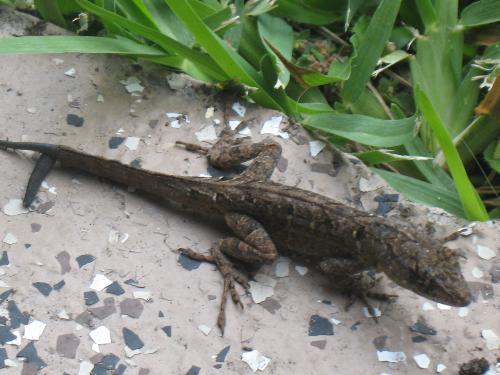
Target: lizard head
[(431, 272)]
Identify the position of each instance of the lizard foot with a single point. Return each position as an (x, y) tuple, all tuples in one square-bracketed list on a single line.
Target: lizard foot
[(230, 275), (358, 288)]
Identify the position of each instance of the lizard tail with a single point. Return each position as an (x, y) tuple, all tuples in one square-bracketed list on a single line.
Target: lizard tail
[(43, 148), (42, 168)]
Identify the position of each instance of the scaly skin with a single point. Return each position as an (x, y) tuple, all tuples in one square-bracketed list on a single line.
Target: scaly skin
[(269, 218)]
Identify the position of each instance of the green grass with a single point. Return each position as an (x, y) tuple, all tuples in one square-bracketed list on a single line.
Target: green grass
[(395, 81)]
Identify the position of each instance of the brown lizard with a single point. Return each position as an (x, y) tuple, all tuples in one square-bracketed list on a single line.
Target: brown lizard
[(268, 218)]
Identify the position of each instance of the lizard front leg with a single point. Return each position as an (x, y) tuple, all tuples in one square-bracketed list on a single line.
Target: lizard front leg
[(229, 152), (252, 245), (349, 278)]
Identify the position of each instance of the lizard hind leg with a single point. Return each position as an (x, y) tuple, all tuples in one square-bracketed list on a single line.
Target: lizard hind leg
[(230, 275)]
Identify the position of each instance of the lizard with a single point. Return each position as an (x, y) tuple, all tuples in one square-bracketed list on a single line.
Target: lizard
[(268, 219)]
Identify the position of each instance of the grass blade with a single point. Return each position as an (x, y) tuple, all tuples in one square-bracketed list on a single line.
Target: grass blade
[(473, 206), (371, 43), (423, 192), (363, 129)]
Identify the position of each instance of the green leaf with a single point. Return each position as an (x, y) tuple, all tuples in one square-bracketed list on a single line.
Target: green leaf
[(386, 156), (279, 34), (363, 129), (50, 12), (371, 45), (82, 44), (423, 192), (303, 11), (473, 206), (481, 13), (203, 62), (492, 155), (234, 66)]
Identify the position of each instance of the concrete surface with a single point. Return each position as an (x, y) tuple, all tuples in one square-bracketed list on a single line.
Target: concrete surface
[(133, 237)]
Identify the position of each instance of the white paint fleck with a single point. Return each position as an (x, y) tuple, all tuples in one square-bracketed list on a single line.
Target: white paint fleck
[(440, 368), (485, 252), (70, 72), (335, 321), (492, 340), (367, 313), (442, 306), (239, 109), (10, 239), (85, 368), (101, 335), (477, 273), (374, 183), (3, 284), (62, 314), (132, 85), (100, 282), (261, 288), (175, 124), (31, 110), (463, 312), (95, 348), (233, 124), (132, 143), (206, 134), (14, 207), (301, 270), (173, 114), (282, 267), (130, 353), (34, 330), (205, 329), (427, 306), (11, 363), (315, 147), (422, 360), (17, 340), (272, 126), (255, 360), (143, 294), (100, 98), (210, 112), (394, 357)]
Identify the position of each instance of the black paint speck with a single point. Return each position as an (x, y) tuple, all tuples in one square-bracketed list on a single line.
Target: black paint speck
[(4, 260), (59, 285), (418, 339), (115, 288), (5, 295), (133, 282), (161, 314), (82, 260), (167, 330), (221, 357), (136, 163), (6, 335), (114, 142), (120, 370), (74, 120), (423, 328), (35, 227), (319, 326), (188, 263), (326, 302), (44, 288), (194, 370), (27, 245), (3, 357), (29, 352), (355, 326), (109, 361), (385, 203), (131, 339), (16, 316), (90, 298)]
